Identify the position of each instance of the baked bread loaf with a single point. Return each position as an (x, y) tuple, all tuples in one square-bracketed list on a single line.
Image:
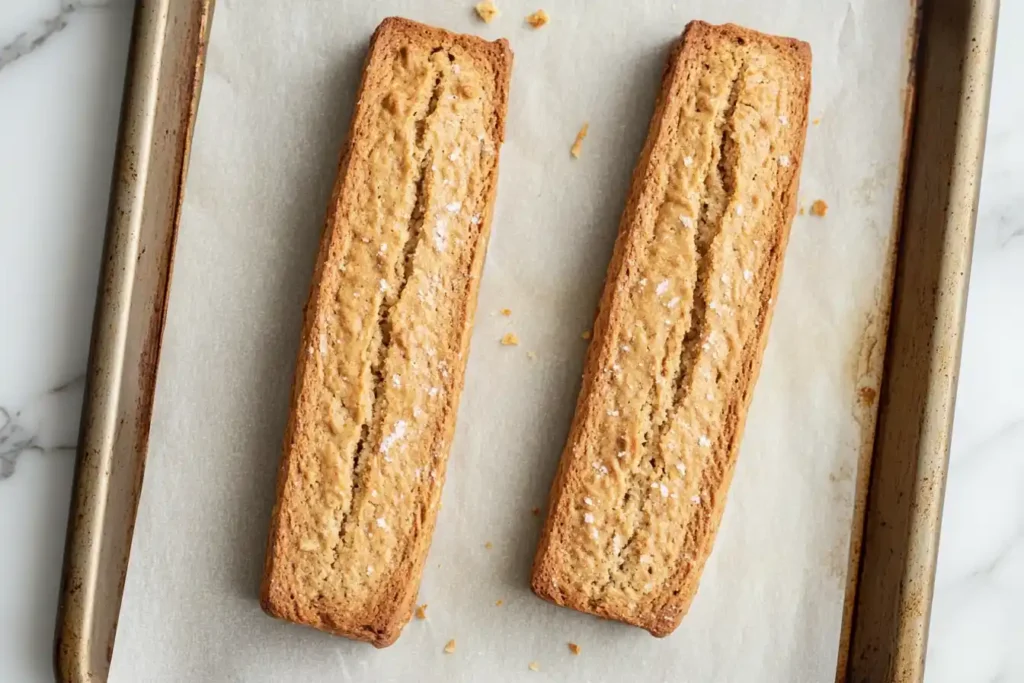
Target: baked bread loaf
[(679, 336), (386, 333)]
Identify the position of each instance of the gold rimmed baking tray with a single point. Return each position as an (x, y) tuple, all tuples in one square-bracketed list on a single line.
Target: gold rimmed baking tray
[(895, 542), (162, 84)]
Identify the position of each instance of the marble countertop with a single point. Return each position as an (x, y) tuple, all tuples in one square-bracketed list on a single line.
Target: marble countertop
[(61, 73)]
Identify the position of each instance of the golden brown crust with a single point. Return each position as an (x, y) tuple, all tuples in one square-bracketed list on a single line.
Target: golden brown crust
[(386, 333), (641, 486)]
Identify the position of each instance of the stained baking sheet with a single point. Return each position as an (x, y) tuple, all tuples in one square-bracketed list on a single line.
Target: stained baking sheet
[(278, 92)]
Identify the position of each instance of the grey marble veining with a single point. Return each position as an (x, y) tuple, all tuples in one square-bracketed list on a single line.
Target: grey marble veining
[(39, 33), (45, 424), (14, 441)]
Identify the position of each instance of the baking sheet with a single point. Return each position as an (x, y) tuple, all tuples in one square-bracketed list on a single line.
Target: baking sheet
[(277, 98)]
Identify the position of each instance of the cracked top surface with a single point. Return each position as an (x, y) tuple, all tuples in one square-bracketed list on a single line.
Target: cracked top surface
[(387, 332), (678, 340)]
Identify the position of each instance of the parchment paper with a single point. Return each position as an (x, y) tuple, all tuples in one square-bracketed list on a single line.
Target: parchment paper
[(278, 94)]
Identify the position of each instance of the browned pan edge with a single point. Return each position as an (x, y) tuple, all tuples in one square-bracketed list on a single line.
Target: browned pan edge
[(900, 541), (869, 360), (162, 85)]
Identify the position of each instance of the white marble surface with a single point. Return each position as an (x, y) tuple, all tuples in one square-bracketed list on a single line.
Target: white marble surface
[(61, 74)]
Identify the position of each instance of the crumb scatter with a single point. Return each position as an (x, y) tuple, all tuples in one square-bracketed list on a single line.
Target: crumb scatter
[(577, 146), (538, 19), (487, 11), (867, 395)]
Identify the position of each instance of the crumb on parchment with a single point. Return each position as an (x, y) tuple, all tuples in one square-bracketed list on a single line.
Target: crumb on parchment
[(531, 355), (577, 146), (487, 11), (587, 334), (510, 339), (506, 312), (815, 122), (819, 208), (538, 19), (421, 611), (449, 647), (534, 666), (536, 512), (488, 545), (574, 648), (499, 603)]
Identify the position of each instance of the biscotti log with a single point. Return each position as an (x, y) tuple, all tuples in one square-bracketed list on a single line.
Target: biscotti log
[(386, 333), (681, 329)]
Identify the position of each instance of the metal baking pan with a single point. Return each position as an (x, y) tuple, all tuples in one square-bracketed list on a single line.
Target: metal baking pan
[(162, 84), (901, 485)]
